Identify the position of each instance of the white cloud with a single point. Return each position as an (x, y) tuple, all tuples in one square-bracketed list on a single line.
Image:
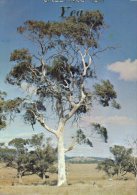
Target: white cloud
[(127, 69), (112, 120)]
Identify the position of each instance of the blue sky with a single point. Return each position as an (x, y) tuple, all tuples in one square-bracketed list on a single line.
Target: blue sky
[(119, 65)]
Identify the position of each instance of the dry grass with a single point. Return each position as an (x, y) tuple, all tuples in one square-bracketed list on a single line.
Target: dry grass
[(83, 179)]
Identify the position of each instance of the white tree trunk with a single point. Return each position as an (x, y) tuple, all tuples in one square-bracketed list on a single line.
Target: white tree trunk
[(44, 177), (61, 161), (20, 178), (136, 183)]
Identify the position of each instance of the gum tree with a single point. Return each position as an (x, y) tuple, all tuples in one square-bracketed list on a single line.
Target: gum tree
[(56, 70), (20, 160), (133, 160), (120, 165), (43, 156), (31, 156)]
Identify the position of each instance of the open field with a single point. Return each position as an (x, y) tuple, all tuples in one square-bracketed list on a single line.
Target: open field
[(83, 179)]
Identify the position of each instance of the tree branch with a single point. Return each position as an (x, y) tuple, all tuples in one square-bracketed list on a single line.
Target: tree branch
[(41, 120), (71, 146), (85, 65), (102, 50)]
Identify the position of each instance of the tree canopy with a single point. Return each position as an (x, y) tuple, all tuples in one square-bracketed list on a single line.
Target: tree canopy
[(59, 70), (120, 164), (29, 156)]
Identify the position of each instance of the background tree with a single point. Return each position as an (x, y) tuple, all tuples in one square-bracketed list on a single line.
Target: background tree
[(58, 72), (30, 156), (20, 161), (2, 116), (133, 160), (107, 166), (7, 155), (120, 165), (42, 159)]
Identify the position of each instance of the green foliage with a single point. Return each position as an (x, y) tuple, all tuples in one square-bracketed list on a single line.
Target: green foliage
[(60, 75), (101, 130), (8, 108), (108, 166), (133, 165), (2, 95), (7, 155), (2, 114), (22, 68), (29, 118), (13, 105), (105, 93), (20, 55), (42, 160), (18, 143), (82, 139), (37, 140), (29, 156), (120, 165), (81, 29)]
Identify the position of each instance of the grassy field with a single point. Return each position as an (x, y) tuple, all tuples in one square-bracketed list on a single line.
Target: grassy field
[(83, 179)]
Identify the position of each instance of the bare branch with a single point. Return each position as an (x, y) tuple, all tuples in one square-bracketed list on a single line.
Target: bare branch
[(71, 146), (85, 66), (102, 50), (41, 120)]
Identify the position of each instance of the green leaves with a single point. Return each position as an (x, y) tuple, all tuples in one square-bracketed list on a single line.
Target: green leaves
[(93, 19), (13, 105), (120, 153), (82, 139), (82, 30), (34, 155), (2, 113), (121, 163), (2, 95), (105, 93), (37, 140), (20, 55), (22, 67), (18, 143), (2, 122), (8, 108), (100, 130)]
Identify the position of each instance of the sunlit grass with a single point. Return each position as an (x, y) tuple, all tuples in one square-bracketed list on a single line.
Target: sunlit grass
[(83, 179)]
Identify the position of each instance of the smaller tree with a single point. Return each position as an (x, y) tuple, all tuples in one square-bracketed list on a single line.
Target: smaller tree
[(20, 160), (107, 166), (30, 156), (6, 154), (133, 159), (120, 164), (43, 156), (2, 116)]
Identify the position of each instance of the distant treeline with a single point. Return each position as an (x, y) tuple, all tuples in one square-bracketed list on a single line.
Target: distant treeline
[(84, 160)]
